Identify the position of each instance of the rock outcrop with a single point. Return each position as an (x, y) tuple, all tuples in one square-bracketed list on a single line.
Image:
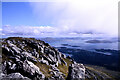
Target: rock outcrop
[(36, 60), (76, 72), (16, 76)]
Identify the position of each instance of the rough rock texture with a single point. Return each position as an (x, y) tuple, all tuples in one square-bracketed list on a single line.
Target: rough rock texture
[(76, 72), (16, 76), (36, 60)]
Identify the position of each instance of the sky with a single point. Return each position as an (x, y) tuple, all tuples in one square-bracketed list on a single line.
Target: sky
[(73, 18)]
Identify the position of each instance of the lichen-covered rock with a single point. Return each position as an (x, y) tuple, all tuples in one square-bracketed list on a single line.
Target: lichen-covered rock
[(15, 76), (31, 58), (43, 61), (8, 67), (76, 72), (27, 68), (31, 49), (32, 70)]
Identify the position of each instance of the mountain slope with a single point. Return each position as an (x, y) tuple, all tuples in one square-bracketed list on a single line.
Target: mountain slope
[(35, 60)]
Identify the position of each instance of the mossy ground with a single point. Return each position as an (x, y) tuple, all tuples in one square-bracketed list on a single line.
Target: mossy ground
[(63, 68), (44, 69), (110, 75)]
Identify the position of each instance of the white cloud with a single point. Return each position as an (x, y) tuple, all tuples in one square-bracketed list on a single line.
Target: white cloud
[(71, 18), (45, 31), (27, 29), (80, 15)]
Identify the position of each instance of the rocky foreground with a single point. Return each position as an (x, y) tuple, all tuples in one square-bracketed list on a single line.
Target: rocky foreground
[(31, 59)]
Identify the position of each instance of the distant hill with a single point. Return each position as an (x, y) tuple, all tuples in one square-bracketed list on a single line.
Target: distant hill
[(98, 41)]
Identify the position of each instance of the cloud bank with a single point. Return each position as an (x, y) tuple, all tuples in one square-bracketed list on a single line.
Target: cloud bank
[(71, 18), (46, 31), (80, 15)]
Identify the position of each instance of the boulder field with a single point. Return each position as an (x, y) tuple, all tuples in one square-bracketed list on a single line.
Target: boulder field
[(32, 59)]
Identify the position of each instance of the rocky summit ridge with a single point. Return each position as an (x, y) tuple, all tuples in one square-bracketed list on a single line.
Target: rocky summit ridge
[(32, 59)]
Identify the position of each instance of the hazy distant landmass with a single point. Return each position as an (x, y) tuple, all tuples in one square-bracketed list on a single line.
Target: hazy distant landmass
[(69, 45), (94, 57), (98, 41)]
